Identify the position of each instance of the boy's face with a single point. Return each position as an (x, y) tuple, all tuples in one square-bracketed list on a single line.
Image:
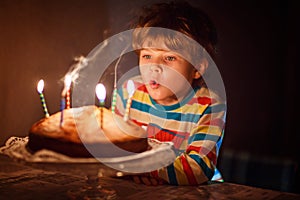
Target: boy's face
[(167, 75)]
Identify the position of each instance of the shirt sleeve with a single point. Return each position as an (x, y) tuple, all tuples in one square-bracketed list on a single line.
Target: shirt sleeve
[(196, 165)]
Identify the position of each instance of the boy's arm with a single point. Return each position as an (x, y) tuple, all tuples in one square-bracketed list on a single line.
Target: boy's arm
[(197, 164)]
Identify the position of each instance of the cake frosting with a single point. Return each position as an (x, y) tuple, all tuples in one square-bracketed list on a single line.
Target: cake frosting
[(87, 131)]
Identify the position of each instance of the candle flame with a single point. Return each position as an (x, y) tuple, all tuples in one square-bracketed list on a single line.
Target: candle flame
[(40, 86), (130, 88), (100, 91), (68, 81)]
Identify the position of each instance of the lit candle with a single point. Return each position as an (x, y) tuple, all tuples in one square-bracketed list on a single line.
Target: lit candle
[(68, 82), (101, 95), (130, 90), (40, 88)]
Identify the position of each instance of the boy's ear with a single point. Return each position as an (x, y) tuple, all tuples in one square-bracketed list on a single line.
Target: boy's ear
[(197, 74), (201, 68)]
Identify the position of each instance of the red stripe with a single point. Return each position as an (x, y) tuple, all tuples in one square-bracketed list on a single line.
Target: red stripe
[(188, 171), (212, 156), (118, 112), (138, 123), (154, 174), (176, 133), (203, 151), (142, 88), (177, 142), (200, 100), (153, 132), (163, 136), (206, 100), (193, 148)]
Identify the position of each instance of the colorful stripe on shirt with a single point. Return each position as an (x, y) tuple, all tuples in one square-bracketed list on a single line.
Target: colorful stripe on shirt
[(195, 127)]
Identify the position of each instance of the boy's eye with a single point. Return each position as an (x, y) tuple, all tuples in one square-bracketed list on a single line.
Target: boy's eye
[(170, 58), (146, 56)]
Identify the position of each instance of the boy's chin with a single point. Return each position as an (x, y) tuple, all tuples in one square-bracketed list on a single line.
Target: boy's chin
[(163, 99)]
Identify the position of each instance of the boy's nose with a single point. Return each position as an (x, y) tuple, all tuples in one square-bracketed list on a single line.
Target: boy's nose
[(156, 68)]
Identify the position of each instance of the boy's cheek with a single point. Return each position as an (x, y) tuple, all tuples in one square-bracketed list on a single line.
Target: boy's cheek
[(145, 76), (142, 68), (146, 73)]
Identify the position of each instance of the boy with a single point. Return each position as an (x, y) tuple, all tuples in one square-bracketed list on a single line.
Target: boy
[(172, 100)]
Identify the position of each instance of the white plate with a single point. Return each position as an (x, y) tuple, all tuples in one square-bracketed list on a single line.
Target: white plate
[(160, 155)]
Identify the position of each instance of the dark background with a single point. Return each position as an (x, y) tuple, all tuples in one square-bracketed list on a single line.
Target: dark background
[(258, 47)]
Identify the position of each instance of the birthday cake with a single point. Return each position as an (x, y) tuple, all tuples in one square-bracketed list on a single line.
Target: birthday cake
[(88, 131)]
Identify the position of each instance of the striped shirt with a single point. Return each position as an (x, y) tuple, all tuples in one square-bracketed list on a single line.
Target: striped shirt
[(195, 126)]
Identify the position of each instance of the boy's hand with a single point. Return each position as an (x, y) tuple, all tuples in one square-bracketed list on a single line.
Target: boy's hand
[(147, 180)]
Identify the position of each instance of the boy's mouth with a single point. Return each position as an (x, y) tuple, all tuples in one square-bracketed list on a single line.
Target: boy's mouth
[(153, 84)]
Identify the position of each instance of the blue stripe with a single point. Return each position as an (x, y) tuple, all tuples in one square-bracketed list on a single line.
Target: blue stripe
[(215, 109), (172, 175), (140, 106), (120, 93), (203, 136), (189, 96), (219, 143), (207, 171), (194, 118)]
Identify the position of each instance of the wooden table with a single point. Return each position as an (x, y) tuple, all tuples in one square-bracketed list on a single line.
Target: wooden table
[(22, 181)]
